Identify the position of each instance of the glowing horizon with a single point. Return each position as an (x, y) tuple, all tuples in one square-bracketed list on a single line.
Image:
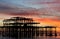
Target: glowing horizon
[(47, 12)]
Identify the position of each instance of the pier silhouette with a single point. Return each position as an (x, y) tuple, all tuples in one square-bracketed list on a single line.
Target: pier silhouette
[(25, 27)]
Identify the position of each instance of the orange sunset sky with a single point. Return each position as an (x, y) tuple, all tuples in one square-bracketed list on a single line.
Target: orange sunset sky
[(46, 12)]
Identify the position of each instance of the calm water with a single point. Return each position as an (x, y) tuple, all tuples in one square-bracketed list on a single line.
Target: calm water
[(41, 37)]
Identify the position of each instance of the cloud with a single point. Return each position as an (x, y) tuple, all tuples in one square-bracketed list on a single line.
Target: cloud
[(46, 12), (11, 10)]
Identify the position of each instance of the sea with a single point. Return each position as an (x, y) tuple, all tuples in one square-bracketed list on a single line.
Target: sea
[(37, 37)]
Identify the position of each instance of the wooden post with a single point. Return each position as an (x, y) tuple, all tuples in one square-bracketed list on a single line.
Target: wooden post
[(55, 32)]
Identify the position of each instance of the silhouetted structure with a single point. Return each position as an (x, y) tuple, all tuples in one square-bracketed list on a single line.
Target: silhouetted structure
[(18, 21), (49, 31), (25, 27), (19, 24)]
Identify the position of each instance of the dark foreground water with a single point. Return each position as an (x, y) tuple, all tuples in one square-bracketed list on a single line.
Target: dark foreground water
[(41, 37)]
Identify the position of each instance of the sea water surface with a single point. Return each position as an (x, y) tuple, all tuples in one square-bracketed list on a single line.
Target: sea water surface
[(41, 37)]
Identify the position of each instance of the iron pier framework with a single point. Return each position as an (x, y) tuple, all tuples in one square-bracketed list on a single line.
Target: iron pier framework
[(25, 27)]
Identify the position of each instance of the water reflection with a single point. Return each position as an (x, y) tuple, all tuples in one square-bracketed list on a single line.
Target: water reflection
[(42, 37)]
